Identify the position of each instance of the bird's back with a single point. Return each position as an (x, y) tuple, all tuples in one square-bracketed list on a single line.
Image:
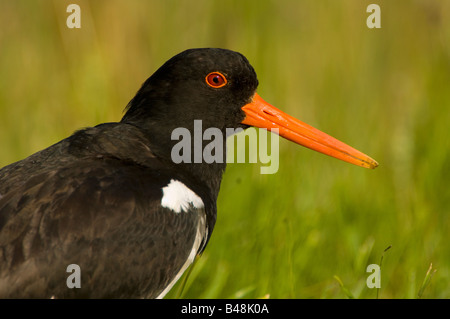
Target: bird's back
[(93, 199)]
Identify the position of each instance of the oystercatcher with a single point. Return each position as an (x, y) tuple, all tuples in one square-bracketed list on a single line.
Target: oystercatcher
[(110, 198)]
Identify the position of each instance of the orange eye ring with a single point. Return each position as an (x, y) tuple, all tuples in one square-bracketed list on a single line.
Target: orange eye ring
[(216, 80)]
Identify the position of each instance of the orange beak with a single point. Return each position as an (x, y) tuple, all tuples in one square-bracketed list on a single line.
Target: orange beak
[(261, 114)]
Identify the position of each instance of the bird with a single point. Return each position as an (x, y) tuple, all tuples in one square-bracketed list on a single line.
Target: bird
[(111, 199)]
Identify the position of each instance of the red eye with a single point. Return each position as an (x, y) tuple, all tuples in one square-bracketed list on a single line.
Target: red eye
[(216, 80)]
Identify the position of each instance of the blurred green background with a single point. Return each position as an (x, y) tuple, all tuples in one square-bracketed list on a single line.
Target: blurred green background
[(316, 223)]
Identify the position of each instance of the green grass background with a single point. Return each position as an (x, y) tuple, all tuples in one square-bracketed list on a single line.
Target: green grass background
[(287, 235)]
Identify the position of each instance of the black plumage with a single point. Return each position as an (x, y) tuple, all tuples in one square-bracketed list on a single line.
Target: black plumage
[(94, 198)]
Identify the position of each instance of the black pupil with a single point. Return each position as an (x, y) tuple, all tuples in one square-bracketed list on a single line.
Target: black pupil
[(216, 79)]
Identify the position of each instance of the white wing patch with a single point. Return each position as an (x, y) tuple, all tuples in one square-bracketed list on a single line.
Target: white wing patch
[(177, 197)]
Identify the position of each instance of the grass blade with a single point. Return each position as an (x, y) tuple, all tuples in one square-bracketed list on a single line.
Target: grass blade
[(344, 289), (426, 280)]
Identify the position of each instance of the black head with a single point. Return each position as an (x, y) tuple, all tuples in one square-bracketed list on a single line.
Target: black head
[(211, 85), (181, 91)]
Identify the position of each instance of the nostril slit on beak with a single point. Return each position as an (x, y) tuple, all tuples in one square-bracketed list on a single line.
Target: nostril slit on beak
[(268, 113)]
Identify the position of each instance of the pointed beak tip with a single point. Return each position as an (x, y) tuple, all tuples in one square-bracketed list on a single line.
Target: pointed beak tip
[(374, 164)]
